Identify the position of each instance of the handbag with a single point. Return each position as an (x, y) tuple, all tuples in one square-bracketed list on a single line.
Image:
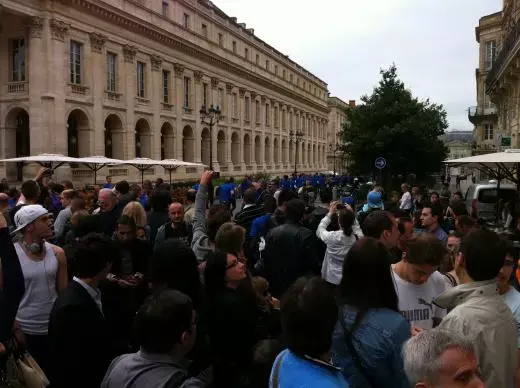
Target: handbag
[(21, 370)]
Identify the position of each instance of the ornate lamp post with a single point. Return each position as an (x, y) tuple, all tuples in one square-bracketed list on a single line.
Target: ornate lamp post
[(296, 137), (210, 117)]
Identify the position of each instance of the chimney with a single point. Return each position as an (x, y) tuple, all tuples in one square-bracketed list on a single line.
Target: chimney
[(243, 25), (233, 19), (251, 31), (352, 103)]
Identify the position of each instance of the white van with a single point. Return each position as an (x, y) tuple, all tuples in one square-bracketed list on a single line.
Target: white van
[(482, 199)]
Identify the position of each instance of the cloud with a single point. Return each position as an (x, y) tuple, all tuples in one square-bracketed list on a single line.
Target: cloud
[(346, 42)]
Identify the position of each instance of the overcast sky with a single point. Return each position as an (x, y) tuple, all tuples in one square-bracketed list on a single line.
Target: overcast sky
[(346, 42)]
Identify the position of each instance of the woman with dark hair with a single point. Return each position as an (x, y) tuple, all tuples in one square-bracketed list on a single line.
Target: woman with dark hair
[(174, 266), (338, 242), (233, 319), (158, 215), (367, 341)]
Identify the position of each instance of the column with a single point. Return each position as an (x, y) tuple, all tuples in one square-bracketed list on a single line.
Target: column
[(179, 91), (199, 125), (97, 43), (129, 53), (54, 102), (38, 27), (156, 103)]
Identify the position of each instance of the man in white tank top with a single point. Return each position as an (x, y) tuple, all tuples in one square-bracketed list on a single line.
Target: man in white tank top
[(44, 267)]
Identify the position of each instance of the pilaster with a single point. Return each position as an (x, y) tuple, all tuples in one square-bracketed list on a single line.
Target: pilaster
[(129, 53), (97, 44), (179, 91), (156, 101)]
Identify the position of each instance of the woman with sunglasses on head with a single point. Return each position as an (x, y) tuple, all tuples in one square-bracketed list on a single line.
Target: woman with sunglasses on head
[(233, 318)]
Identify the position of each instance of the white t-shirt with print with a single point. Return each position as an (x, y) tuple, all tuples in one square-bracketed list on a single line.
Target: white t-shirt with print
[(512, 299), (416, 300)]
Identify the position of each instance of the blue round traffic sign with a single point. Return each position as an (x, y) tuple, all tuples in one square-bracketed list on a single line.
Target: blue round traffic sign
[(380, 163)]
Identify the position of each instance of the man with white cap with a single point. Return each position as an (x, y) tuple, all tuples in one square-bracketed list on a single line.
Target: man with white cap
[(44, 268)]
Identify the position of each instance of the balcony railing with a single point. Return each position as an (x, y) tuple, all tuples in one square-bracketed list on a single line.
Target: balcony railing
[(17, 87), (509, 44), (78, 89), (478, 113), (113, 95)]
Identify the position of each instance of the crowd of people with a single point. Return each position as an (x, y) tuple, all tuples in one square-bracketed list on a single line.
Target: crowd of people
[(121, 286)]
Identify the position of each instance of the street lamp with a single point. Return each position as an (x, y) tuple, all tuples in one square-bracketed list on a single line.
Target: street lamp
[(296, 137), (210, 117), (334, 149)]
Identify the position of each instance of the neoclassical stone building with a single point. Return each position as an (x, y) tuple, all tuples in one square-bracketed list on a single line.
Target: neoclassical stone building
[(484, 115), (337, 160), (127, 78)]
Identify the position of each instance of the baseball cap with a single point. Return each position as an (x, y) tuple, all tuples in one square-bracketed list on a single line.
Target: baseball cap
[(28, 214), (374, 200)]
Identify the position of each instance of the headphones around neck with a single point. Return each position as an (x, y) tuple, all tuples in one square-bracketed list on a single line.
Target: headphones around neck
[(33, 247)]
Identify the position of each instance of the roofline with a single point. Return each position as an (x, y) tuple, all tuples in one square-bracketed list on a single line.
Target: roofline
[(286, 57)]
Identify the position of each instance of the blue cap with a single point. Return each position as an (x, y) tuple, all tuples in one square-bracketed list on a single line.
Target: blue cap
[(374, 200)]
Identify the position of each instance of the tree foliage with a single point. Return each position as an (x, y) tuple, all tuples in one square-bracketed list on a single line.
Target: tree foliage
[(397, 126)]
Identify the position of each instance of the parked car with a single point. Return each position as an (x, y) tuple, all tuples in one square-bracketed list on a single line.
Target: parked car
[(482, 199)]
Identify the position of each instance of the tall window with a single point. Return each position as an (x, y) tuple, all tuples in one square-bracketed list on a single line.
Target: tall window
[(247, 100), (234, 105), (283, 73), (75, 62), (165, 8), (488, 131), (257, 111), (234, 47), (220, 39), (267, 64), (276, 118), (141, 79), (166, 86), (111, 72), (186, 92), (17, 47), (257, 59), (186, 20), (284, 119), (276, 69), (205, 94), (267, 114), (491, 54), (291, 122), (246, 53), (204, 30)]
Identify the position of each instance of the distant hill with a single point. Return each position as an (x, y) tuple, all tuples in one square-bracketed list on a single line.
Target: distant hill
[(460, 136)]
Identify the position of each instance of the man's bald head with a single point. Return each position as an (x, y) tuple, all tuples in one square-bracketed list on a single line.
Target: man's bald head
[(176, 213), (107, 200)]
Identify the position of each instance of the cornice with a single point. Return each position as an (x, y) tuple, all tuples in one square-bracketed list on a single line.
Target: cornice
[(131, 22)]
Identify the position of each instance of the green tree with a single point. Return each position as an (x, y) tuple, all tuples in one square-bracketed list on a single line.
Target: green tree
[(397, 126)]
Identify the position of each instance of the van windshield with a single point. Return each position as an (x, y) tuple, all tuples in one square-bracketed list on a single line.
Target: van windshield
[(490, 195)]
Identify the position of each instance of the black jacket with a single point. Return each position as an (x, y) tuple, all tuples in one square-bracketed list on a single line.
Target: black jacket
[(13, 286), (80, 343), (290, 252)]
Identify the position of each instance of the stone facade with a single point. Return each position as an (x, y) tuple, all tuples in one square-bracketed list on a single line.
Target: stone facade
[(337, 160), (127, 78), (498, 79)]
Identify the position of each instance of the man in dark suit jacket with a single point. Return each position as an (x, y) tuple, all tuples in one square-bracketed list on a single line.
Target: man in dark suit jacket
[(80, 342)]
